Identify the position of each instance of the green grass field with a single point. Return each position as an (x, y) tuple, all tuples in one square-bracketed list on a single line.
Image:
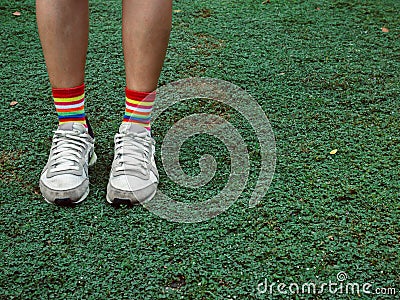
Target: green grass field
[(326, 75)]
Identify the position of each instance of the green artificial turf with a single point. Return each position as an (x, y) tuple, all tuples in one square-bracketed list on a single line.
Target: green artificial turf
[(327, 77)]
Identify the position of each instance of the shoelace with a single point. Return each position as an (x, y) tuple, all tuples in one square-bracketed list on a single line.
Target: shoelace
[(132, 151), (68, 148)]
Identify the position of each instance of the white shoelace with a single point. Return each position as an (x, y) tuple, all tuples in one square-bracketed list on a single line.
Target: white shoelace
[(132, 151), (68, 148)]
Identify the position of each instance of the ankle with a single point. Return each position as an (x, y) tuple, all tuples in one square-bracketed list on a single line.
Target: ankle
[(70, 104)]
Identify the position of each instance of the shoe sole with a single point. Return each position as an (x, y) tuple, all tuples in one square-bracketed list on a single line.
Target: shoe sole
[(68, 201), (128, 202)]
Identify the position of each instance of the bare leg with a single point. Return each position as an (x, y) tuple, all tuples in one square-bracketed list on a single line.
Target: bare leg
[(146, 26), (64, 28)]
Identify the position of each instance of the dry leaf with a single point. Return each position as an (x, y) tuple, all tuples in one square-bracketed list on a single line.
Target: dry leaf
[(384, 29), (177, 11), (318, 8), (13, 103), (352, 191), (334, 151), (16, 13), (266, 1)]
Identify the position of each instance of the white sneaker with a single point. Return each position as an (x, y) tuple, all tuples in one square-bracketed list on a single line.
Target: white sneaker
[(134, 175), (65, 179)]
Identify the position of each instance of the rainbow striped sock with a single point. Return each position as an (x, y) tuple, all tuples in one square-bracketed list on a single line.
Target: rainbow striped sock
[(70, 105), (138, 107)]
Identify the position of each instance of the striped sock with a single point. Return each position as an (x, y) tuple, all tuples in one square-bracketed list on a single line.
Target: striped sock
[(138, 107), (70, 105)]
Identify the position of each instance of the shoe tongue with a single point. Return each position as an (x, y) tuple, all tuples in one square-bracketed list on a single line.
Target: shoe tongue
[(127, 127), (70, 126)]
